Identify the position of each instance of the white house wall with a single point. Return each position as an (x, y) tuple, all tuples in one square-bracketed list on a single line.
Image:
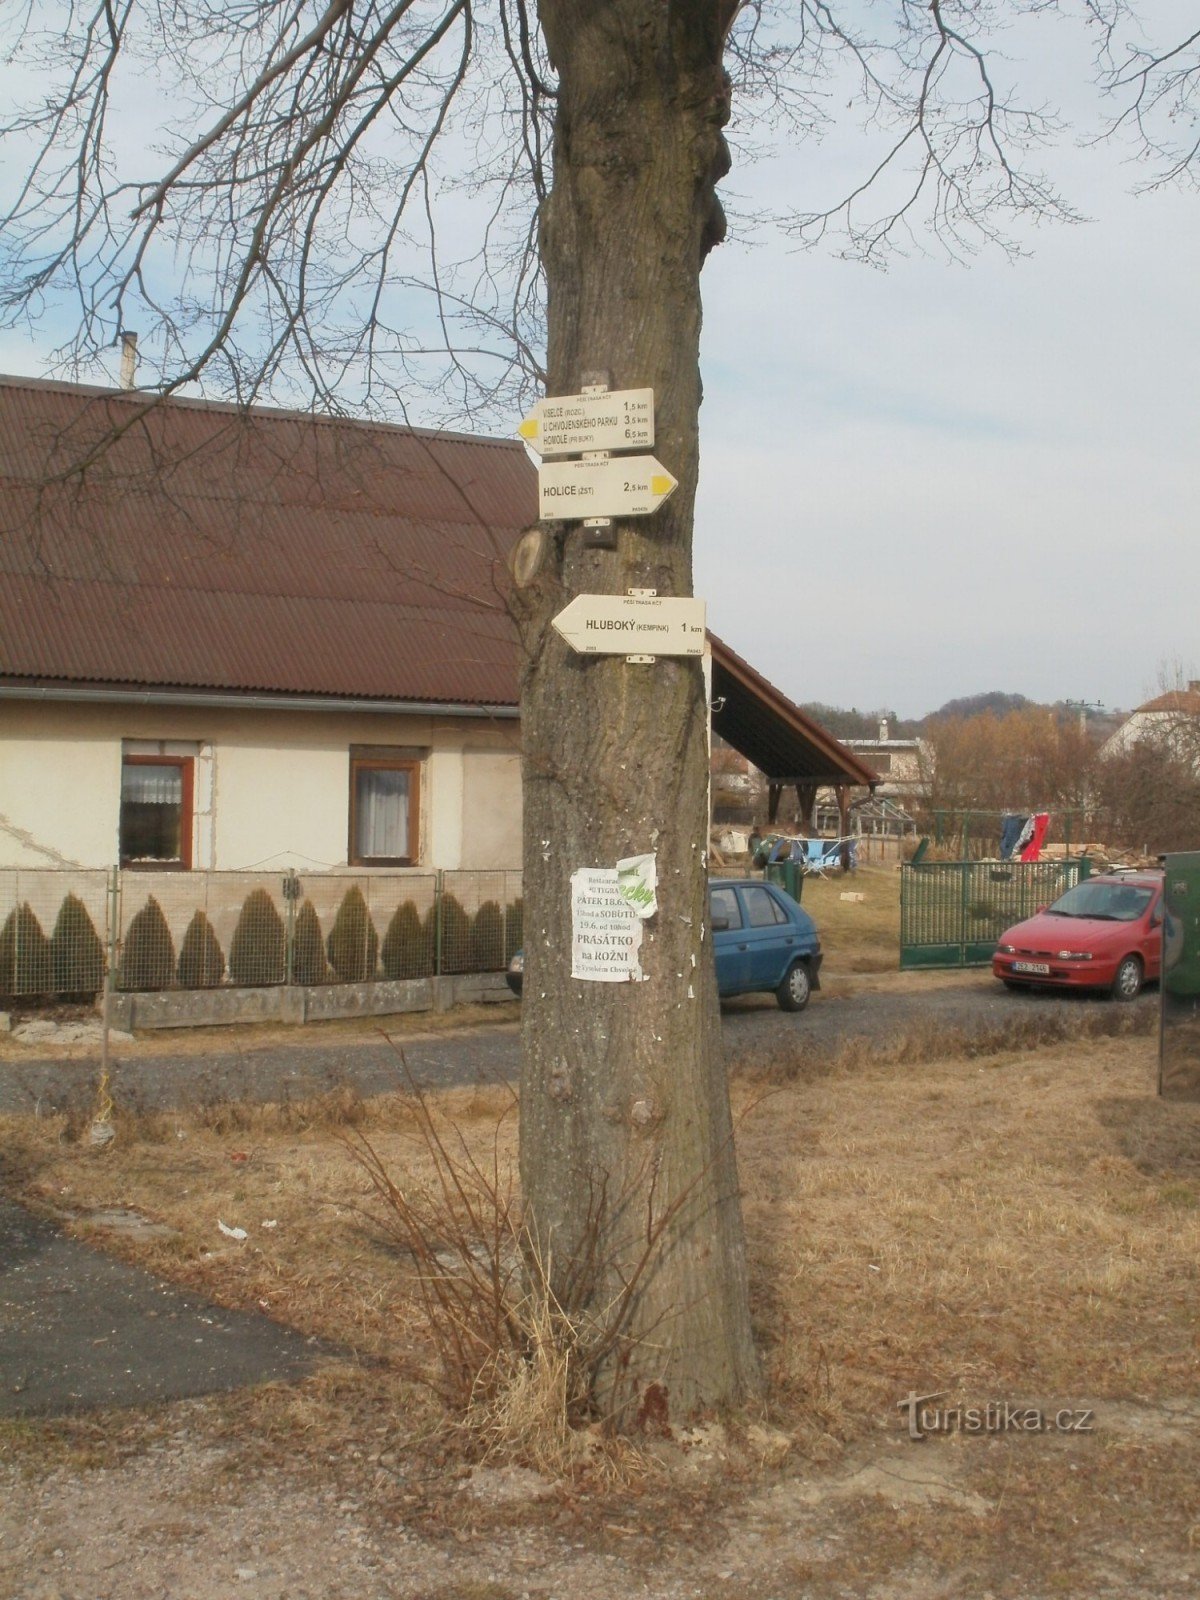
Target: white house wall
[(272, 788)]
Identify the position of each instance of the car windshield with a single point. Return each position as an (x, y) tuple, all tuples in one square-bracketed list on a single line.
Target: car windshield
[(1104, 902)]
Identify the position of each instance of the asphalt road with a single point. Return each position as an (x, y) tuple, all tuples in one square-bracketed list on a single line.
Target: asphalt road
[(79, 1329), (757, 1034)]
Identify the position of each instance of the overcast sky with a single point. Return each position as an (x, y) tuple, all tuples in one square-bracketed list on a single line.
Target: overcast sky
[(942, 479)]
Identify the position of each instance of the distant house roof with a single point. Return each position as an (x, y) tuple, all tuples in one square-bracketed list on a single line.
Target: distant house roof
[(1160, 721), (1185, 700), (206, 548)]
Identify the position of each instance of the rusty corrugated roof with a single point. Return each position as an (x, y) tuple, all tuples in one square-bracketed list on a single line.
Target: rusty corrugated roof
[(210, 548)]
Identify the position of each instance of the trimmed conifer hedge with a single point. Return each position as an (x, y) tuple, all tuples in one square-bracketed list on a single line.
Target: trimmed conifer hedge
[(353, 944), (407, 950), (148, 956), (308, 948), (76, 951), (487, 938), (456, 935), (201, 959), (26, 967), (258, 949)]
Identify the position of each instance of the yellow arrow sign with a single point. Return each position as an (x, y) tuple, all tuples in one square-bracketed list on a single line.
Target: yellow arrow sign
[(619, 486), (567, 425)]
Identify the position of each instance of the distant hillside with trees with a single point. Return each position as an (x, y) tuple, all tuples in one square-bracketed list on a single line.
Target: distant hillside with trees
[(856, 724), (976, 705)]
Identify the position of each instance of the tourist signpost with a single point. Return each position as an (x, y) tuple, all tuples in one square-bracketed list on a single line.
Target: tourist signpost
[(610, 419), (633, 624), (615, 486)]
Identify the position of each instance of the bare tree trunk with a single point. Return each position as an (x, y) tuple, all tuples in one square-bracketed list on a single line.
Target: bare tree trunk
[(624, 1107)]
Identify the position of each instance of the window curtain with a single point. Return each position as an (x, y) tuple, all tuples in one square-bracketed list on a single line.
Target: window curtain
[(381, 826), (152, 786)]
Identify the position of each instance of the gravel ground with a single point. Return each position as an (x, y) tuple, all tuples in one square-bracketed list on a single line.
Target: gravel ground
[(756, 1033)]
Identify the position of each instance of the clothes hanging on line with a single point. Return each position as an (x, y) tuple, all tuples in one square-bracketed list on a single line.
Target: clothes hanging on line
[(1011, 829), (1032, 848)]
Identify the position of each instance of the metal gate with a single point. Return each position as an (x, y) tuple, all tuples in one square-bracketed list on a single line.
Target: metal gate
[(953, 912)]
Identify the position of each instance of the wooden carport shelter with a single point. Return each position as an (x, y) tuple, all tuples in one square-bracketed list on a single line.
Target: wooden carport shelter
[(787, 747)]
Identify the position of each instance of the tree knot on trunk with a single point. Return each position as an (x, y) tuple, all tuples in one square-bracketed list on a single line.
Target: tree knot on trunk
[(645, 1113), (559, 1085)]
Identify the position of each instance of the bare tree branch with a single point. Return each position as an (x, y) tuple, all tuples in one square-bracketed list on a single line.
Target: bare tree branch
[(1155, 87)]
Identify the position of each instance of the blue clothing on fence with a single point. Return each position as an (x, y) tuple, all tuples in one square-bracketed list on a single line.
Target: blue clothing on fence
[(1011, 829)]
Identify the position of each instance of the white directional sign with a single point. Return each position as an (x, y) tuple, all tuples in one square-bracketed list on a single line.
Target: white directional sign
[(623, 486), (566, 425), (628, 624)]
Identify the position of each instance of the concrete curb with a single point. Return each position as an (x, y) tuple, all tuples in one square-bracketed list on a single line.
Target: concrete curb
[(204, 1008)]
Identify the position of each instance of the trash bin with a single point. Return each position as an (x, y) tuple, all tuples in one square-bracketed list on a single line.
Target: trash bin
[(787, 875), (1179, 1033)]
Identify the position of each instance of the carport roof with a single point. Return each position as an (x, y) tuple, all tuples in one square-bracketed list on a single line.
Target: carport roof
[(785, 744)]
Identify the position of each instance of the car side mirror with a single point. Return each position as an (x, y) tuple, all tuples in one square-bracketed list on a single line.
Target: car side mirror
[(1040, 909), (1156, 919), (720, 924)]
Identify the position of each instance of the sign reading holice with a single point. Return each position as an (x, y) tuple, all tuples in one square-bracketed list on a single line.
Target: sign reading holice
[(626, 624), (624, 486), (566, 425)]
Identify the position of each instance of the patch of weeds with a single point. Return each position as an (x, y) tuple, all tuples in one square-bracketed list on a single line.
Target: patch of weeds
[(524, 1346), (37, 1446)]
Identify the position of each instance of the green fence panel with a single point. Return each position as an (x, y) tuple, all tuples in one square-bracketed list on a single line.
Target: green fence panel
[(953, 912)]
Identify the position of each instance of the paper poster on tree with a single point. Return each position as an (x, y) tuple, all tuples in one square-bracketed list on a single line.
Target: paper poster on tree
[(606, 931)]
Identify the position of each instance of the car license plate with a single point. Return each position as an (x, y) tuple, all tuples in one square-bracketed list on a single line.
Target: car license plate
[(1039, 968)]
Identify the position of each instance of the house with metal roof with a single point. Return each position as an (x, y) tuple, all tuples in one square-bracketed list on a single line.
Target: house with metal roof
[(1170, 721), (264, 639)]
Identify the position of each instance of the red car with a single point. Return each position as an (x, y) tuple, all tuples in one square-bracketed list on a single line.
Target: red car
[(1105, 933)]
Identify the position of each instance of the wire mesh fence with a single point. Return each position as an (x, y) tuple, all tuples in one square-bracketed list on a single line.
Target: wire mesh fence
[(53, 931), (61, 931)]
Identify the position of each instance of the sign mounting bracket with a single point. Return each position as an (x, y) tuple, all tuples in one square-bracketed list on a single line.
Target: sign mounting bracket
[(598, 532)]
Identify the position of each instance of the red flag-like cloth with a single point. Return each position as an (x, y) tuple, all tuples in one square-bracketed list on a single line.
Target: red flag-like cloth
[(1033, 850)]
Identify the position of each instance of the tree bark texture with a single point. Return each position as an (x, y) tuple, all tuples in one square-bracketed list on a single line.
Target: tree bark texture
[(625, 1121)]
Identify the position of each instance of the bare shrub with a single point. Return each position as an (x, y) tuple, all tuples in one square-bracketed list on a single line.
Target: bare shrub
[(517, 1364)]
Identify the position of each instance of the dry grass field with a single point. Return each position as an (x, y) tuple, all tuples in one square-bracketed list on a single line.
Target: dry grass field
[(857, 936), (1021, 1227)]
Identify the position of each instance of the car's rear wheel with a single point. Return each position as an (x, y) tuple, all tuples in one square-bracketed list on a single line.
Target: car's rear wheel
[(1127, 984), (795, 989)]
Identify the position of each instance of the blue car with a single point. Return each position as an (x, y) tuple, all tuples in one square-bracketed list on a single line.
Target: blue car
[(764, 943)]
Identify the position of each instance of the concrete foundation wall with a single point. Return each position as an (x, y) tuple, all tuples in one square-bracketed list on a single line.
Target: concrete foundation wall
[(204, 1008)]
